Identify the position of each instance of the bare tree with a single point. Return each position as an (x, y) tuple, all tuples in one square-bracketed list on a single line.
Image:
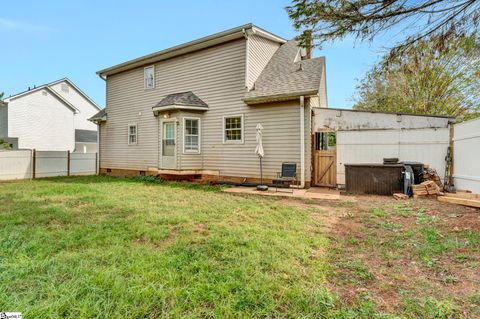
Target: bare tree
[(366, 19)]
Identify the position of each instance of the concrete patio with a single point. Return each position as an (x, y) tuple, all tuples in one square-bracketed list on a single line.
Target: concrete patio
[(310, 193)]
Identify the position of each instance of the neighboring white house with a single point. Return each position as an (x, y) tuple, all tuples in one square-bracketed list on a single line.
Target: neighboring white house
[(52, 117)]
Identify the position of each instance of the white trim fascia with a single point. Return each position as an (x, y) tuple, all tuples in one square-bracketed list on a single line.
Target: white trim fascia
[(48, 85), (267, 35), (128, 134), (62, 99), (49, 89), (144, 82), (178, 107), (247, 60), (16, 96), (199, 151), (78, 90), (188, 47), (242, 141)]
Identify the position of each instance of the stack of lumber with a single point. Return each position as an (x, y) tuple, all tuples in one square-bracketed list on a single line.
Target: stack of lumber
[(398, 196), (461, 198), (425, 189), (430, 174)]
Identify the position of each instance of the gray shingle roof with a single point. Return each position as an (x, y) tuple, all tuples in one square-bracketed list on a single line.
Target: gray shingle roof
[(85, 136), (284, 77), (99, 116), (184, 99)]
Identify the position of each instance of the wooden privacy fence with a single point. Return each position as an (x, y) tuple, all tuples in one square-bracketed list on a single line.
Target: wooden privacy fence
[(325, 164), (26, 164)]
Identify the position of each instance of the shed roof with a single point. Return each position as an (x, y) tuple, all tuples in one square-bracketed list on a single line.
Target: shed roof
[(183, 98), (85, 136), (100, 116), (284, 77)]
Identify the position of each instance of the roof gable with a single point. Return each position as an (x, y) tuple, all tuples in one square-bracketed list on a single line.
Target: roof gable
[(49, 85), (287, 76), (188, 47)]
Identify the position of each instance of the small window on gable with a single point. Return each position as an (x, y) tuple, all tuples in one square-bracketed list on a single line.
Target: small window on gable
[(132, 134), (233, 129), (65, 88), (149, 77)]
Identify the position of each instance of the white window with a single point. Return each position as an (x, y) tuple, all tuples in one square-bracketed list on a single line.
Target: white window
[(191, 135), (149, 77), (233, 129), (132, 134)]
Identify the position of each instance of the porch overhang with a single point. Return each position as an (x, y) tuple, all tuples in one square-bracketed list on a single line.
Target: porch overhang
[(175, 107), (186, 101)]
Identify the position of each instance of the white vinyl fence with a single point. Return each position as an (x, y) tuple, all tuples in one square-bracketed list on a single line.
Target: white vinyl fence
[(26, 164), (428, 146), (15, 164), (466, 155)]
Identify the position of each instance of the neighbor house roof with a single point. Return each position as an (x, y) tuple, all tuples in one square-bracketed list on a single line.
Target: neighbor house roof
[(286, 76), (183, 100), (48, 87), (85, 136), (99, 117), (199, 44)]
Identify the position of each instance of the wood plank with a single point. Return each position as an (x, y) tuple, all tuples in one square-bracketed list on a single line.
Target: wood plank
[(460, 201), (463, 195)]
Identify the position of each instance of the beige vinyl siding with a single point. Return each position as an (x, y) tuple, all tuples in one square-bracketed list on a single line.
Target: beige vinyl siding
[(216, 75), (281, 140), (260, 51)]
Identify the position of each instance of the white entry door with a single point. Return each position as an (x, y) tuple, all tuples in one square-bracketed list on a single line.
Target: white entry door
[(168, 144)]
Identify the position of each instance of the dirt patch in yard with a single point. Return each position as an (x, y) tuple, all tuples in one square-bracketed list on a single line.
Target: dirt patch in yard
[(414, 254)]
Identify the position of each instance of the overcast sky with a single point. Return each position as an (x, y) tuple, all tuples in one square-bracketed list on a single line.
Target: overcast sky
[(43, 41)]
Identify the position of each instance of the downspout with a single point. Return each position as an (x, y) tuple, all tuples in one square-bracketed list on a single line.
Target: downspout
[(98, 149), (98, 131), (302, 141)]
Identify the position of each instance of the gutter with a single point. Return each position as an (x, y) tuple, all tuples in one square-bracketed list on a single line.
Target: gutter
[(278, 97)]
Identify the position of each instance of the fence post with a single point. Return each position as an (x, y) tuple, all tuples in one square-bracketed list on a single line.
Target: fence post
[(68, 163), (34, 162), (96, 163)]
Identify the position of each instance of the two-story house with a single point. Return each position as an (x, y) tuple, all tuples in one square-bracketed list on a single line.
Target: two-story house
[(50, 117), (191, 110)]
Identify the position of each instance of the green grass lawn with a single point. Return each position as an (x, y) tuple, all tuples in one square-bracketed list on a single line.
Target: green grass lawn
[(119, 248), (100, 247)]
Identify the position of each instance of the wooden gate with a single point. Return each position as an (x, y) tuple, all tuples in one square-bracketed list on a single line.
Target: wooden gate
[(324, 160)]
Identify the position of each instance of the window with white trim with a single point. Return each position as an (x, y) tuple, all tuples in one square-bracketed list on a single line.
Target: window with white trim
[(132, 134), (191, 137), (233, 128), (149, 77)]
